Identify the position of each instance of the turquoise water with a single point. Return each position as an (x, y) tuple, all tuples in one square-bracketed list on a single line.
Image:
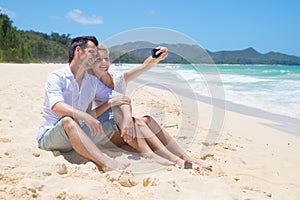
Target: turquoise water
[(275, 89), (271, 88)]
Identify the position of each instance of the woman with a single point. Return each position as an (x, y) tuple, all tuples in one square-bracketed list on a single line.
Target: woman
[(150, 137)]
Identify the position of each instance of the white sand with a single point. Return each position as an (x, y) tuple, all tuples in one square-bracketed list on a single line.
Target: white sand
[(251, 159)]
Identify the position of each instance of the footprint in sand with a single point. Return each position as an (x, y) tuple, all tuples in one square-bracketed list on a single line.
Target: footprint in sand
[(61, 169), (228, 147), (206, 156), (7, 154), (175, 185), (126, 178), (65, 195), (5, 140), (236, 178), (36, 154), (10, 123), (32, 192), (46, 174), (23, 193), (209, 144), (247, 189), (149, 181)]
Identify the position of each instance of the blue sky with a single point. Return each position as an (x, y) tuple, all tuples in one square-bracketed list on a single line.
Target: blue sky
[(215, 25)]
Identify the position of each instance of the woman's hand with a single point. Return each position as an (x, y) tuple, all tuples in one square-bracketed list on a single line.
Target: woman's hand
[(119, 100), (163, 51), (128, 129)]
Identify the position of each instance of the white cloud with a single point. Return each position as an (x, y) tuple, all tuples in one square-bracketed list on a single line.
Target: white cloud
[(11, 14), (77, 16)]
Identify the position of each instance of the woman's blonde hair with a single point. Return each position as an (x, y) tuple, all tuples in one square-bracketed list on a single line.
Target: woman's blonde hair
[(102, 47)]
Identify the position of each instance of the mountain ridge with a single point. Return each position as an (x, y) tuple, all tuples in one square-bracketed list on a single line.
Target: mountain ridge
[(186, 53)]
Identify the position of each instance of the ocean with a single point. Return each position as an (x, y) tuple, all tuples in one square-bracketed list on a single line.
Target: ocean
[(257, 89), (275, 89)]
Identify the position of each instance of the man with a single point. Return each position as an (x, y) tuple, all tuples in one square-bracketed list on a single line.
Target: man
[(68, 94)]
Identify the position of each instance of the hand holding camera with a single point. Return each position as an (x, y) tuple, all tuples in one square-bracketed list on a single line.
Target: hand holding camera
[(154, 55)]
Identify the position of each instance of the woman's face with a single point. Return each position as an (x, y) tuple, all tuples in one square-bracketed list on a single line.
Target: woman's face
[(102, 63)]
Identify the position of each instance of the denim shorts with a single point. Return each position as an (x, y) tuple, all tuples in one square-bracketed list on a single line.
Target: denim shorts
[(56, 138), (109, 127)]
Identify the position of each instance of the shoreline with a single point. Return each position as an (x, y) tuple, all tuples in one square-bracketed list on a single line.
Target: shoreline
[(286, 123)]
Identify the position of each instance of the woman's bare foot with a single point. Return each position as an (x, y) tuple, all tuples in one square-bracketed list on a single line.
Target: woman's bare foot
[(203, 164), (182, 164)]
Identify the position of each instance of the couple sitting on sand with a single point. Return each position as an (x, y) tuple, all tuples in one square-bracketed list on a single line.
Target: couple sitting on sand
[(85, 107)]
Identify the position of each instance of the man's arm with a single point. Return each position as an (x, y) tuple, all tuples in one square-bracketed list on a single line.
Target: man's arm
[(64, 109)]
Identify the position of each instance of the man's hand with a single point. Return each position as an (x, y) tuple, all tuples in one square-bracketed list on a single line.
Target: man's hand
[(93, 124)]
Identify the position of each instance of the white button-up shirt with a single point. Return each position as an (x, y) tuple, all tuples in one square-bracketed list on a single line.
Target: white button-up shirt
[(62, 87)]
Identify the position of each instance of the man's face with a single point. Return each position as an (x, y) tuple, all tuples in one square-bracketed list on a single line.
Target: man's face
[(91, 50), (89, 54)]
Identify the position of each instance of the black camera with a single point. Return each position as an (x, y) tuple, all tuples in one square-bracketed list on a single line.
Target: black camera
[(154, 53)]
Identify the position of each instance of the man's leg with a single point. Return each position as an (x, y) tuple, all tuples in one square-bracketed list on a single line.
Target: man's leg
[(84, 146)]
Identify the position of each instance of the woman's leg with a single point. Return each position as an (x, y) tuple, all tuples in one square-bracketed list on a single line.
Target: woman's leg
[(168, 141), (146, 141), (159, 148), (140, 145)]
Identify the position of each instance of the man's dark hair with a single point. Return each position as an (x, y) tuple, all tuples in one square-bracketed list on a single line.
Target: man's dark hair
[(82, 42)]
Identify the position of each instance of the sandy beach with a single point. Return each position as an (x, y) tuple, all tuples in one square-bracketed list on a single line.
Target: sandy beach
[(252, 157)]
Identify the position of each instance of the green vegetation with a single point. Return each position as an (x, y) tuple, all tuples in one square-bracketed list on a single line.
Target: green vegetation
[(29, 46)]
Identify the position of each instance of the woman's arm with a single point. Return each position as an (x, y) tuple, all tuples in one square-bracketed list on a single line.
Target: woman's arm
[(148, 64), (122, 115), (116, 101)]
